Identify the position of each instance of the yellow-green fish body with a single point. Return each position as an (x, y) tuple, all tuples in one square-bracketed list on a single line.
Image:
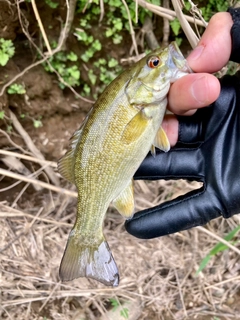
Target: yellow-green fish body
[(121, 128)]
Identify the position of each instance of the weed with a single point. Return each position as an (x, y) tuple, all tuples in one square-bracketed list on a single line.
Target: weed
[(61, 62), (218, 248), (116, 305), (16, 89), (37, 123), (7, 51), (2, 115), (52, 4)]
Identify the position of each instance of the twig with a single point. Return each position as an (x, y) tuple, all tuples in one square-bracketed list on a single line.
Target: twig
[(35, 10), (21, 74), (24, 232), (147, 31), (40, 183), (34, 174), (229, 245), (131, 27), (102, 10), (195, 11), (166, 25), (44, 59), (52, 175), (71, 7), (6, 213), (191, 36), (29, 158), (167, 13), (222, 282)]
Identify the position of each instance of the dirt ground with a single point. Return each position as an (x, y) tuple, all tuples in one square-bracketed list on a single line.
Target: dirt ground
[(157, 277)]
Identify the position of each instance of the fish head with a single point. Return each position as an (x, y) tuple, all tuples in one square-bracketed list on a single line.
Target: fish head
[(154, 73)]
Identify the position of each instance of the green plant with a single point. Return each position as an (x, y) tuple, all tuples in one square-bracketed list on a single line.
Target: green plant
[(105, 70), (7, 50), (61, 62), (52, 4), (37, 123), (218, 248), (2, 115), (176, 27), (16, 89), (212, 6), (124, 312)]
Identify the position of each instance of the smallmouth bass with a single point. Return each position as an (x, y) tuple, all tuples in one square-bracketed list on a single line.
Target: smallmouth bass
[(120, 129)]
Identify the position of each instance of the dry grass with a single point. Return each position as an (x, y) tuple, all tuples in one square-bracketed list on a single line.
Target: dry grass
[(157, 276)]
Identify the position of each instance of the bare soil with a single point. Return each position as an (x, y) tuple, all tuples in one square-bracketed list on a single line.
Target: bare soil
[(158, 278)]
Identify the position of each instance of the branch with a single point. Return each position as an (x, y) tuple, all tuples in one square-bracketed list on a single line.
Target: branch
[(35, 10), (52, 175), (167, 13), (190, 34), (40, 183), (71, 7)]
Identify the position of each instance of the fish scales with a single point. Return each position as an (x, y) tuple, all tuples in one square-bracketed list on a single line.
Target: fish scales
[(119, 131)]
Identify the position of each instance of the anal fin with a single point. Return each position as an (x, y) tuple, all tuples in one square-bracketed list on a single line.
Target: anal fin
[(124, 203)]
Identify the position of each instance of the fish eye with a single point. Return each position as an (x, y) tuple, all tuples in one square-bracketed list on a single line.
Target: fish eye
[(153, 62)]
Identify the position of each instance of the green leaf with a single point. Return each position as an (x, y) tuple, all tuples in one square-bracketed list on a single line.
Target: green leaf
[(124, 313), (109, 33), (2, 114), (86, 88), (112, 63), (16, 89), (72, 56), (118, 24), (175, 25), (97, 45), (74, 72), (92, 77), (115, 3), (117, 38), (114, 303), (52, 4), (37, 123), (3, 58), (216, 249)]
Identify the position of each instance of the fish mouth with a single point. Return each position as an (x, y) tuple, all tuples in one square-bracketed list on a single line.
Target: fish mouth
[(159, 88), (176, 59)]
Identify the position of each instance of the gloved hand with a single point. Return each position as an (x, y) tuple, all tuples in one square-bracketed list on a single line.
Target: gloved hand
[(208, 151)]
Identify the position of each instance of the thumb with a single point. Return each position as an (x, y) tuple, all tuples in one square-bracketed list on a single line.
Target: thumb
[(217, 38)]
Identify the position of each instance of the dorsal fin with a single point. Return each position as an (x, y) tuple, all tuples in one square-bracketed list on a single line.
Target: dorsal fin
[(66, 163)]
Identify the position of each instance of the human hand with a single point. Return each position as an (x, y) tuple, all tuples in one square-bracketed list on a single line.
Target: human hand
[(209, 151), (200, 89)]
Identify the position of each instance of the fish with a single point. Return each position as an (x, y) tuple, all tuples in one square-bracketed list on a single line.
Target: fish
[(121, 128)]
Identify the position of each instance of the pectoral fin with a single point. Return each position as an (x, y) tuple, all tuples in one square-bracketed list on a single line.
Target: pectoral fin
[(161, 140), (135, 128), (124, 203)]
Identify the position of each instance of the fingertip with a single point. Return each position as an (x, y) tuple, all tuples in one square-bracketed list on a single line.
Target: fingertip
[(192, 92), (214, 48), (170, 126)]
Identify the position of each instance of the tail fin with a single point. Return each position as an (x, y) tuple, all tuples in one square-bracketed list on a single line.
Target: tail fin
[(95, 262)]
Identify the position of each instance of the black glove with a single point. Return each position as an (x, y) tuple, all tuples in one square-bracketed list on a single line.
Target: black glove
[(208, 151)]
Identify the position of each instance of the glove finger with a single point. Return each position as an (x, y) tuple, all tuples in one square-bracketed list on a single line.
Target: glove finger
[(193, 209), (178, 163)]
